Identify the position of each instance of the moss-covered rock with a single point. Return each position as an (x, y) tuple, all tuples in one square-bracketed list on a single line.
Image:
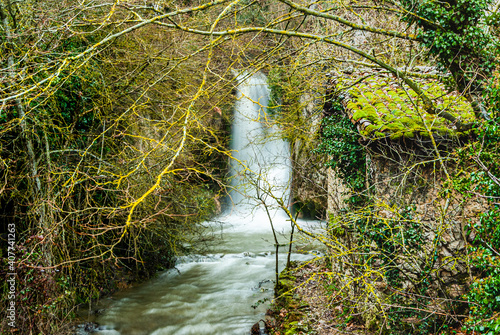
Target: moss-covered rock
[(287, 309)]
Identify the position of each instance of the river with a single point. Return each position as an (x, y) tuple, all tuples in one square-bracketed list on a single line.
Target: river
[(226, 290)]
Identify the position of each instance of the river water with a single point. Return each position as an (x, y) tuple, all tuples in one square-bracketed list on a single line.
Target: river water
[(224, 291)]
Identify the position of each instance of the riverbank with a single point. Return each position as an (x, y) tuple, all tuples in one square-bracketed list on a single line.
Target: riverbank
[(305, 304), (309, 302)]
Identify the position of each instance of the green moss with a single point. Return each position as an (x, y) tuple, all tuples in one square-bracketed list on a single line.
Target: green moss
[(292, 320), (368, 112), (371, 128), (395, 136), (393, 107), (393, 110), (393, 127)]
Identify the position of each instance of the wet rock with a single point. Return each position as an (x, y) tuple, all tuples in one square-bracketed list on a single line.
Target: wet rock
[(90, 327), (86, 328), (255, 329)]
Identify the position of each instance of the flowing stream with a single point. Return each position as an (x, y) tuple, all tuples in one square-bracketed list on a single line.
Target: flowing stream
[(214, 293)]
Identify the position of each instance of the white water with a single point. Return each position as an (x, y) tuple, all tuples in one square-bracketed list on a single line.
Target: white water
[(262, 167), (213, 294)]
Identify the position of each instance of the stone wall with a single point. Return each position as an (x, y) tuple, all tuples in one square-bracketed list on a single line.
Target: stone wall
[(424, 226)]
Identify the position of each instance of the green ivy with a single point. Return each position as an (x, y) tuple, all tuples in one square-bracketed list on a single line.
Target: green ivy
[(340, 141), (453, 31), (484, 294)]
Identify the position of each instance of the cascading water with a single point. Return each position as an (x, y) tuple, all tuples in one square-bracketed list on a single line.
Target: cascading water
[(213, 294), (261, 168)]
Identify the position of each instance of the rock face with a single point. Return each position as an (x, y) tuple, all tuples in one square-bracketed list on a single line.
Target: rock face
[(410, 240), (309, 184), (337, 194)]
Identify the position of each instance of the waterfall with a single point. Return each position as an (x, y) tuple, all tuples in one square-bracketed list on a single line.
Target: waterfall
[(261, 167), (213, 293)]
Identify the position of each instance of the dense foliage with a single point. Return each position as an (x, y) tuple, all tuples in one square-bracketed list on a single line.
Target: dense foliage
[(455, 32), (484, 294), (340, 142), (87, 145)]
